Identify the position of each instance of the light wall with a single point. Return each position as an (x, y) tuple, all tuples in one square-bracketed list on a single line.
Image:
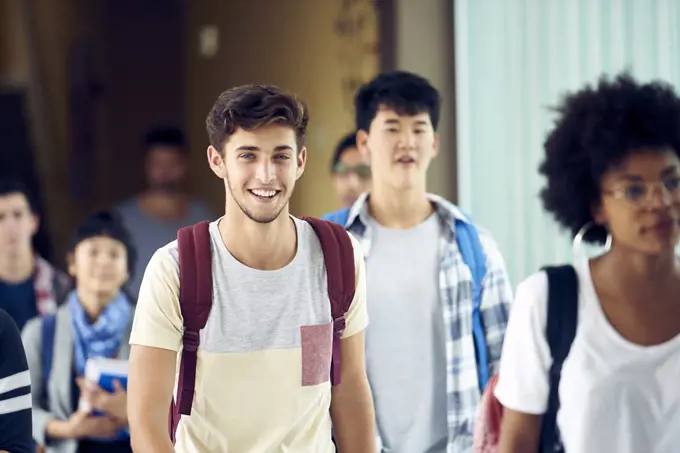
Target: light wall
[(514, 59)]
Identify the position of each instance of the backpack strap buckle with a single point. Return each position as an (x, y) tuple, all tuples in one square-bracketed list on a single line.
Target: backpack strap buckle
[(191, 340), (339, 325)]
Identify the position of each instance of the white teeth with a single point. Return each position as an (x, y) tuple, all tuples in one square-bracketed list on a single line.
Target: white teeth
[(264, 193)]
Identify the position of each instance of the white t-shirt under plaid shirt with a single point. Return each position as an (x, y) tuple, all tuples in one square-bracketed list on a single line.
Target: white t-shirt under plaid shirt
[(461, 382)]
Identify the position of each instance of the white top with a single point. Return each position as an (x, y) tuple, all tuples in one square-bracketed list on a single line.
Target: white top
[(406, 343), (615, 396)]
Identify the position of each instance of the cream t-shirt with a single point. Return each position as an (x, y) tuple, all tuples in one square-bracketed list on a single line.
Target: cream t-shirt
[(263, 374)]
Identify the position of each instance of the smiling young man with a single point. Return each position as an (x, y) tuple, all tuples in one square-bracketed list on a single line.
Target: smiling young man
[(426, 360), (262, 381)]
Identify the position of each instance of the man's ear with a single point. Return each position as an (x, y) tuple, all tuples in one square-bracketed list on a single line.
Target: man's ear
[(216, 162), (71, 264), (362, 144), (36, 224), (301, 161)]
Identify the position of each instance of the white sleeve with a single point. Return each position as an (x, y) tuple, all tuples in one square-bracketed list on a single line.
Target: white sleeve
[(523, 381)]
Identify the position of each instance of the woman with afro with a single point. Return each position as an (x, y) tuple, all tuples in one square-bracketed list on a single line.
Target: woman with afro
[(612, 172)]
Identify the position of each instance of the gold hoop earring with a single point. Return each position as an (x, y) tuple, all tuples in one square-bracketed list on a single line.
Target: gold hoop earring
[(578, 239)]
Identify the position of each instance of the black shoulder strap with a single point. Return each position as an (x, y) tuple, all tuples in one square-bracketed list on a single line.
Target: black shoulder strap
[(560, 332)]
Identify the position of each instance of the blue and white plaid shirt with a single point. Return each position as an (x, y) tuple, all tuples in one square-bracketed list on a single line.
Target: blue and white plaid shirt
[(455, 285)]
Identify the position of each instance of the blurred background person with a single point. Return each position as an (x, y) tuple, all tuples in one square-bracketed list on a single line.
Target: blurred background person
[(29, 285), (351, 172), (94, 321), (422, 287), (154, 216)]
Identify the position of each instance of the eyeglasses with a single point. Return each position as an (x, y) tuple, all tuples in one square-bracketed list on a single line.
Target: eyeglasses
[(641, 193), (362, 170)]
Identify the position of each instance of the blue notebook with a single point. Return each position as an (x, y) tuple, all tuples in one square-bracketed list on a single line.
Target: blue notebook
[(104, 372)]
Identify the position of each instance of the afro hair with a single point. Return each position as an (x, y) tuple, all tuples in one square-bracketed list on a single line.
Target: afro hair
[(595, 130)]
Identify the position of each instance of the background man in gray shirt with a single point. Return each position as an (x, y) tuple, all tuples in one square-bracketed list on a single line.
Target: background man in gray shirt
[(154, 216)]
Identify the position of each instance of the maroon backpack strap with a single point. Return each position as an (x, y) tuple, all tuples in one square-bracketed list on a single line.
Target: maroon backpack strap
[(195, 301), (338, 255)]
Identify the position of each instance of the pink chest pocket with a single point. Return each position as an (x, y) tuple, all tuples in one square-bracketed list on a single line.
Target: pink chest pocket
[(317, 346)]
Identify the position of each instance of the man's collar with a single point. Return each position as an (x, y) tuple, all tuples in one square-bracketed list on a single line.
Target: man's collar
[(358, 209), (444, 208)]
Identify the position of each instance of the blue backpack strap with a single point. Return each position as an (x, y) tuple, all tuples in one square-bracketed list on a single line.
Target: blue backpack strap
[(560, 332), (48, 327), (340, 216), (472, 251)]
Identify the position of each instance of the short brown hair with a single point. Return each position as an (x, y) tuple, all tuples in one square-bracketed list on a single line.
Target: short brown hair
[(252, 106)]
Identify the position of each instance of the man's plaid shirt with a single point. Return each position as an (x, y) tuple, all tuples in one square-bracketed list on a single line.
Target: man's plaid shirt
[(455, 285)]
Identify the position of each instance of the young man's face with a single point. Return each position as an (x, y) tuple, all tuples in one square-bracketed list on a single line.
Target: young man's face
[(260, 168), (351, 176), (18, 224), (399, 147)]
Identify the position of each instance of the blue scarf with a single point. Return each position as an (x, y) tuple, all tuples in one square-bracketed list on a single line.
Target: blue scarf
[(101, 339)]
